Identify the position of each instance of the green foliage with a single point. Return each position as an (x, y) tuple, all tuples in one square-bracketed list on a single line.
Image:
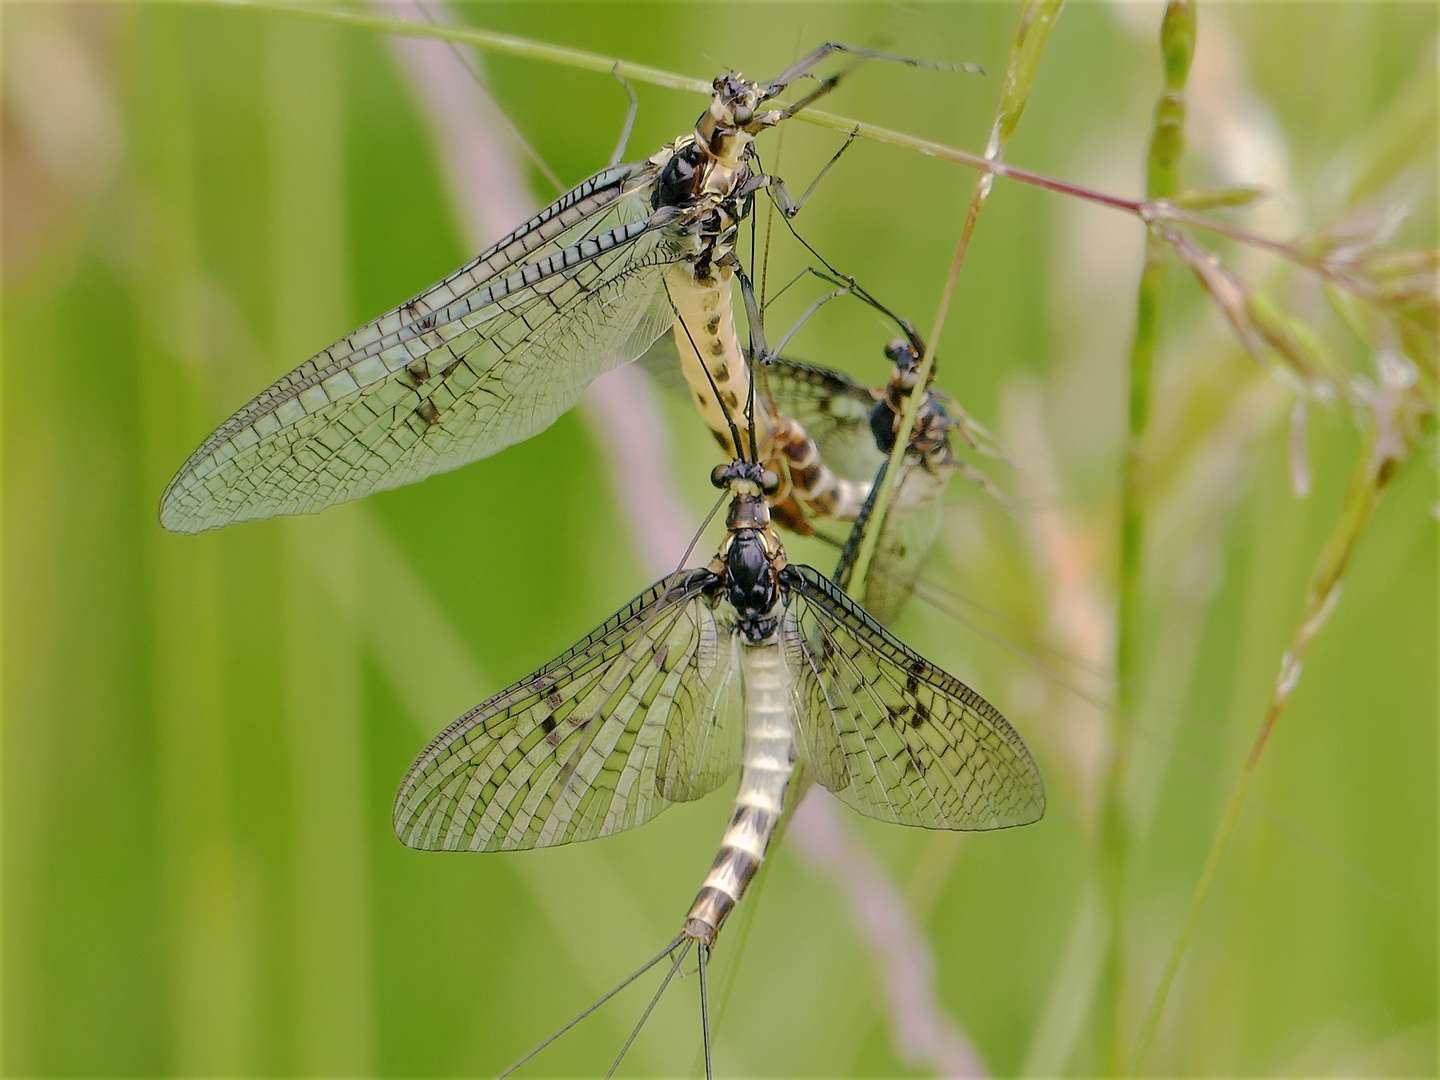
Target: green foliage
[(203, 735)]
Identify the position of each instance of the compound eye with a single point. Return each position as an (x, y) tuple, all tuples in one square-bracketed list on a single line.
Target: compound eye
[(743, 115), (719, 475), (769, 482), (900, 351)]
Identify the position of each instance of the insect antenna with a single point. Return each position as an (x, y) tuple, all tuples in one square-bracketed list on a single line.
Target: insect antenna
[(684, 952), (694, 540), (530, 151), (641, 970)]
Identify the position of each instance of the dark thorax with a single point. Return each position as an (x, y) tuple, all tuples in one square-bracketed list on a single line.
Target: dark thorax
[(930, 439), (748, 564), (706, 174)]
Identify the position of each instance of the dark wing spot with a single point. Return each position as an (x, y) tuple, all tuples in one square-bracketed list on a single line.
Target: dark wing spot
[(547, 725), (661, 654), (920, 715), (421, 318), (426, 411), (554, 700)]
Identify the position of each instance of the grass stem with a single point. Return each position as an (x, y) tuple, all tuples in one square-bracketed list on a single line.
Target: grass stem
[(1167, 144), (1036, 21), (1373, 470)]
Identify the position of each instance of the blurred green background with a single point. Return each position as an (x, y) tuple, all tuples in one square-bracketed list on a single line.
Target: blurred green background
[(203, 735)]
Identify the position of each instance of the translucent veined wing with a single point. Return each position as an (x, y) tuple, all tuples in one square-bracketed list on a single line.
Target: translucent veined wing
[(911, 526), (638, 715), (888, 732), (833, 408), (491, 355)]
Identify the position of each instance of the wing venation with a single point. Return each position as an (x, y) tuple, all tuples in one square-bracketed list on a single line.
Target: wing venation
[(491, 355), (601, 739), (919, 747)]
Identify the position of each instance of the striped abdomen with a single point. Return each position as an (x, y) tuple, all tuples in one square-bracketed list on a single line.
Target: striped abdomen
[(764, 776), (719, 380), (710, 357), (813, 482)]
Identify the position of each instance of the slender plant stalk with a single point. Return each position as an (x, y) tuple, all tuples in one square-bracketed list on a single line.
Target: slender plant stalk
[(1167, 144), (1179, 212), (1374, 469), (485, 40), (1036, 21)]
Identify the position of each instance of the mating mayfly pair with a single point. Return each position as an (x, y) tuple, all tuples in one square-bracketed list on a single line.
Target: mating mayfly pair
[(751, 662)]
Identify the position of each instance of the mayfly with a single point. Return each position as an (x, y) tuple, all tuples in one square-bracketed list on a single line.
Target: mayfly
[(494, 353), (750, 663), (839, 433), (914, 518)]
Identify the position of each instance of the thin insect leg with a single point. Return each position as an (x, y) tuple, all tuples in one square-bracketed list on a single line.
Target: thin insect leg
[(754, 316), (466, 63), (789, 206), (864, 295), (747, 291), (619, 153), (836, 277), (766, 303), (757, 341), (757, 348), (705, 1012), (826, 85), (754, 248), (595, 1005), (806, 63), (834, 294), (684, 952)]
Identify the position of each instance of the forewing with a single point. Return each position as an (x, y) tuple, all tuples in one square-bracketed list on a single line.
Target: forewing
[(487, 357), (575, 750), (834, 410), (914, 520), (704, 738), (919, 747)]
